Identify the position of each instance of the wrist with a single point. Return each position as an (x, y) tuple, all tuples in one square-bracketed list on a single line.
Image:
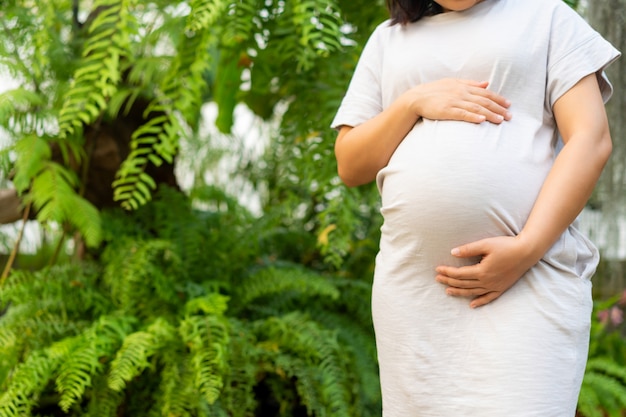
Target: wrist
[(413, 103), (532, 248)]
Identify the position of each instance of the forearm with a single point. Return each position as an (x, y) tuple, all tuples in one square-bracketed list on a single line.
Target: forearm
[(365, 149), (565, 191)]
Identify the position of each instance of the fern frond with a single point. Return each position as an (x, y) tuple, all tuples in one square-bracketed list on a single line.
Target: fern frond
[(315, 30), (76, 373), (611, 394), (357, 339), (33, 153), (84, 361), (27, 382), (104, 401), (608, 366), (53, 196), (211, 304), (204, 14), (143, 270), (589, 404), (180, 95), (207, 337), (244, 357), (308, 384), (42, 290), (177, 394), (136, 349), (148, 71), (242, 20), (299, 336), (42, 41), (17, 101), (97, 79), (274, 281), (603, 388)]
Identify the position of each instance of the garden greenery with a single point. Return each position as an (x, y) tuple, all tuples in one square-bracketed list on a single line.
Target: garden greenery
[(189, 313)]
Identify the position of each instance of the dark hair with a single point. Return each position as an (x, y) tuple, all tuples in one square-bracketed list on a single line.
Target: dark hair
[(407, 11)]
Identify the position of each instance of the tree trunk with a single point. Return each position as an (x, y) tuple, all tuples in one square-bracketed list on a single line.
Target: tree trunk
[(10, 206), (609, 18)]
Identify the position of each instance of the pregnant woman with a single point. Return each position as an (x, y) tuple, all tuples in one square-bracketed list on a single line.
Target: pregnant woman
[(482, 294)]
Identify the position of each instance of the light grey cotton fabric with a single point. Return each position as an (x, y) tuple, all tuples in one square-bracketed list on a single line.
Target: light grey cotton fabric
[(450, 183)]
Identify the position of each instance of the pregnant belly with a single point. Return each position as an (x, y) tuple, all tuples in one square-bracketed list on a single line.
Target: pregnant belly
[(450, 183)]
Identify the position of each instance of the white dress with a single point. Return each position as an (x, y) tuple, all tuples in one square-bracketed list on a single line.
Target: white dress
[(450, 183)]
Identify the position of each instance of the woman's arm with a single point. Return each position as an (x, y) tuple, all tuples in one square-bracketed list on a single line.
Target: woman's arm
[(364, 150), (582, 122)]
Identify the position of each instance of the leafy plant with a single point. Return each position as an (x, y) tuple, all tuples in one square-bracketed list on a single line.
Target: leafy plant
[(603, 392), (186, 313), (84, 77)]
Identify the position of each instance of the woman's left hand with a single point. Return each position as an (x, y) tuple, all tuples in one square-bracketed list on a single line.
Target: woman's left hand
[(503, 261)]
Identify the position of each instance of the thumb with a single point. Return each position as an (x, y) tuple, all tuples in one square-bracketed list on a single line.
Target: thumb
[(477, 248)]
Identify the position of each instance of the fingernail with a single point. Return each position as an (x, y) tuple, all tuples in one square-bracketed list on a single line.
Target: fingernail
[(499, 117), (455, 251)]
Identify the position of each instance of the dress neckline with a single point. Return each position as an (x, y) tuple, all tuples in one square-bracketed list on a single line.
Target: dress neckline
[(462, 14)]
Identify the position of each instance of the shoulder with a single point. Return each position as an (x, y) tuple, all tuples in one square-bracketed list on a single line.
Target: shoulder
[(538, 8), (384, 30), (382, 35)]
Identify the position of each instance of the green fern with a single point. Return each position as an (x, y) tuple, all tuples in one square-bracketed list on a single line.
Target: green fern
[(97, 78), (15, 103), (318, 22), (54, 197), (204, 14), (177, 390), (33, 153), (142, 269), (104, 401), (26, 384), (273, 281), (76, 373), (312, 346), (243, 17), (207, 337), (184, 343), (603, 389), (157, 141), (238, 397), (83, 362)]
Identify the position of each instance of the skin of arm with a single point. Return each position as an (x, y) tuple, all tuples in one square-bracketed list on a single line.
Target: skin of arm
[(364, 150), (582, 122)]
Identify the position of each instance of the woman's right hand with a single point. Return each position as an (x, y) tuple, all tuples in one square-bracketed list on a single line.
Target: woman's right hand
[(462, 100)]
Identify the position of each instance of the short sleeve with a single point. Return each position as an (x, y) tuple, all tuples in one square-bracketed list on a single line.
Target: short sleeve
[(363, 99), (576, 50)]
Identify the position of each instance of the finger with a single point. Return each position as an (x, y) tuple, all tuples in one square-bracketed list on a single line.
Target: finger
[(458, 283), (478, 248), (496, 112), (484, 299), (467, 292), (467, 113), (471, 110), (491, 95), (474, 83), (468, 272), (493, 112)]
